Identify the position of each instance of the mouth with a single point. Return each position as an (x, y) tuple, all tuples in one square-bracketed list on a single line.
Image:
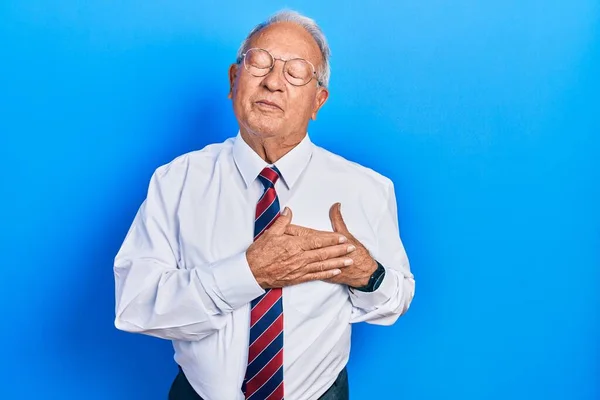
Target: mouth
[(268, 105)]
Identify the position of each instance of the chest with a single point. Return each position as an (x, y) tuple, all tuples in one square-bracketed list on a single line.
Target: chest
[(217, 222)]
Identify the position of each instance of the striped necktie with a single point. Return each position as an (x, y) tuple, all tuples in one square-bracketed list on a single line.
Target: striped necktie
[(264, 374)]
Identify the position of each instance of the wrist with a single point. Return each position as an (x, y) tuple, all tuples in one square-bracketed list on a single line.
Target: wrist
[(374, 279), (369, 272)]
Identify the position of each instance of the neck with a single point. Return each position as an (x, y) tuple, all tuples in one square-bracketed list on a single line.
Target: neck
[(271, 148)]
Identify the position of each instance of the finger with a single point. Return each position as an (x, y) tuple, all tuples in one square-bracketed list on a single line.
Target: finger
[(332, 263), (319, 276), (297, 230), (326, 253), (337, 221), (336, 279), (322, 240), (282, 221)]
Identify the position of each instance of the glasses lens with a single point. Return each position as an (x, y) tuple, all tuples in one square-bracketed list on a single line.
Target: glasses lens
[(258, 62), (298, 72)]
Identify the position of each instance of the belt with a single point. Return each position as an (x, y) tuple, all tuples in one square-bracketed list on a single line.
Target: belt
[(182, 390)]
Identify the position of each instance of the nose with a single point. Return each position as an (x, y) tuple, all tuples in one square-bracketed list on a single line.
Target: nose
[(275, 81)]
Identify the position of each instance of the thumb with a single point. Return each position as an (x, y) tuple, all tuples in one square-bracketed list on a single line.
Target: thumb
[(282, 221), (337, 221)]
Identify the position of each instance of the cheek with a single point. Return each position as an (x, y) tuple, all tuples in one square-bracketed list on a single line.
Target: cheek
[(241, 103), (302, 106), (242, 89)]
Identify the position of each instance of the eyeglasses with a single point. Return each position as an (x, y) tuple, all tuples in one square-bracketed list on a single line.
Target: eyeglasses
[(297, 71)]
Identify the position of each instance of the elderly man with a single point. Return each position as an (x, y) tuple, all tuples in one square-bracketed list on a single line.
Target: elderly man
[(240, 254)]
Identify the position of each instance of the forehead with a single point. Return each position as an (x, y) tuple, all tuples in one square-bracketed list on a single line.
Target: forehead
[(288, 40)]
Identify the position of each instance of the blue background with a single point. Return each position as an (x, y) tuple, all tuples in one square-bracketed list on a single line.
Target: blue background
[(484, 113)]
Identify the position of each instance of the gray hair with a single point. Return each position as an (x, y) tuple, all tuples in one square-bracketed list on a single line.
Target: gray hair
[(311, 27)]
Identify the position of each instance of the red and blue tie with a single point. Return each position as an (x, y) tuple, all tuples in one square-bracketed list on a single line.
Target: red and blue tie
[(264, 374)]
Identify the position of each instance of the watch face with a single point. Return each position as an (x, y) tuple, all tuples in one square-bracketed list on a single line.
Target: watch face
[(378, 281), (378, 276)]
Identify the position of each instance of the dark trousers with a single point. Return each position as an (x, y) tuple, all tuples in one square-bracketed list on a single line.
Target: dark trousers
[(182, 390)]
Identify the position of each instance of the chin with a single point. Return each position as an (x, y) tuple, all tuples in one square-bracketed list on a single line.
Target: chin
[(265, 127)]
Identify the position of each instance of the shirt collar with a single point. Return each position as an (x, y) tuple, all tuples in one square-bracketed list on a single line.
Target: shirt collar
[(291, 165)]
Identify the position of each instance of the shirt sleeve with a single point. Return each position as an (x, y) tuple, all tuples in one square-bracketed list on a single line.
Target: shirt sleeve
[(154, 296), (395, 293)]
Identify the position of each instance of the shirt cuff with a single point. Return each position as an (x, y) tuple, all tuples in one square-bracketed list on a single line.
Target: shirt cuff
[(235, 281), (371, 300)]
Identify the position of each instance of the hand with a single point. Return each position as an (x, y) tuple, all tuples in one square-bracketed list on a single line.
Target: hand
[(363, 265), (278, 260)]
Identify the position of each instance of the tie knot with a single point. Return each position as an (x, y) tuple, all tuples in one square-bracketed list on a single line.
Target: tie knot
[(268, 176)]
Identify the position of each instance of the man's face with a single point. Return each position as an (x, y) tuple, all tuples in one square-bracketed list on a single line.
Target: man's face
[(269, 105)]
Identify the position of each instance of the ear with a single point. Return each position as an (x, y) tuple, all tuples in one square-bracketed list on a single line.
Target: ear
[(320, 99), (232, 74)]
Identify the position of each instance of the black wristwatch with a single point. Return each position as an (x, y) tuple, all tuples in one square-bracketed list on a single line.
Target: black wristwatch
[(375, 279)]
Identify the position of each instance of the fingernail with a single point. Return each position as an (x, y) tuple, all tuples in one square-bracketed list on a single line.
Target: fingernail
[(340, 206), (343, 239), (349, 261), (351, 248), (285, 211), (336, 271)]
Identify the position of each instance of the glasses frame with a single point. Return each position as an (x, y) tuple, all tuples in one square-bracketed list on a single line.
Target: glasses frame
[(273, 58)]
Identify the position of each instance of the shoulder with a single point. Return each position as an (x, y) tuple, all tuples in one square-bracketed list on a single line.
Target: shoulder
[(351, 171), (203, 160)]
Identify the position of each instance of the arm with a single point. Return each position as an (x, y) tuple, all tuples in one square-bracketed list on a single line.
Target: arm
[(153, 295), (392, 298)]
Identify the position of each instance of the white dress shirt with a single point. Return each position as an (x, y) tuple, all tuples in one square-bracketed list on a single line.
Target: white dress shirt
[(182, 274)]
